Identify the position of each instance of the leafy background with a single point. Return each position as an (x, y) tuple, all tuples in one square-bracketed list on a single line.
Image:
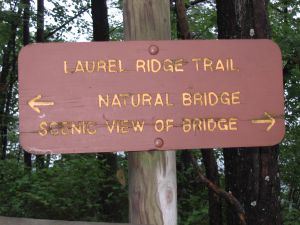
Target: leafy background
[(84, 187)]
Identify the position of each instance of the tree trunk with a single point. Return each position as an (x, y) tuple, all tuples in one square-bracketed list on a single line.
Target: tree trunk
[(251, 174), (183, 31), (26, 8), (152, 175), (9, 95), (3, 95), (101, 33), (6, 78), (100, 20), (40, 159), (215, 202), (26, 40), (215, 206), (40, 21)]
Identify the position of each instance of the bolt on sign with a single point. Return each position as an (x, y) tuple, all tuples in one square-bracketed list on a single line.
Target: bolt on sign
[(144, 95)]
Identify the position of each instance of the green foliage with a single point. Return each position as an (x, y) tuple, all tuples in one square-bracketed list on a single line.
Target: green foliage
[(291, 217), (285, 21), (192, 195), (5, 33), (116, 31), (67, 20), (82, 187), (202, 21), (72, 189)]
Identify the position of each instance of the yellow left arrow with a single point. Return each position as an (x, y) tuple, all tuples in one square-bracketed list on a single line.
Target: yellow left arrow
[(34, 103)]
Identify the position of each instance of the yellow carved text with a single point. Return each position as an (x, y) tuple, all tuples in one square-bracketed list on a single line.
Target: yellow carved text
[(134, 100), (155, 65), (125, 126), (67, 128), (209, 125), (210, 65), (163, 125), (94, 66), (210, 98)]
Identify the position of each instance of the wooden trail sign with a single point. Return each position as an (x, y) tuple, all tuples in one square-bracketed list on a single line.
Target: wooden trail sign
[(143, 95)]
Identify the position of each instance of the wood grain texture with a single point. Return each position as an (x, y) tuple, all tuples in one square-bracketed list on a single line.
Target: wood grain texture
[(152, 175), (152, 188), (147, 20)]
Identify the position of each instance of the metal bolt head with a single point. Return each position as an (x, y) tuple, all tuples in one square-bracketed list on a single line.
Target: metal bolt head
[(158, 142), (153, 49)]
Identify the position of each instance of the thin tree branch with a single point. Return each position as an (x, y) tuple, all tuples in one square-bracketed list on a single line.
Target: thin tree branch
[(67, 22), (195, 2), (276, 9), (223, 194)]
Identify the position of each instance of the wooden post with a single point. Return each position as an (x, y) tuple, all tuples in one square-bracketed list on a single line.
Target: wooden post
[(152, 175)]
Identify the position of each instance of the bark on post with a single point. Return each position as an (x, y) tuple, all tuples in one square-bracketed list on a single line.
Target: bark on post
[(152, 175)]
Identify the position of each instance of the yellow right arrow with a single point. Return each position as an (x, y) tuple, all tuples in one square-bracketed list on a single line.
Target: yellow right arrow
[(270, 120)]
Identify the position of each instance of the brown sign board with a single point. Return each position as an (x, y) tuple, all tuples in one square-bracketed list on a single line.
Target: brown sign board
[(145, 95)]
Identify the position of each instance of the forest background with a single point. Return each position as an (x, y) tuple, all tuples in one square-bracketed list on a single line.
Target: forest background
[(94, 187)]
